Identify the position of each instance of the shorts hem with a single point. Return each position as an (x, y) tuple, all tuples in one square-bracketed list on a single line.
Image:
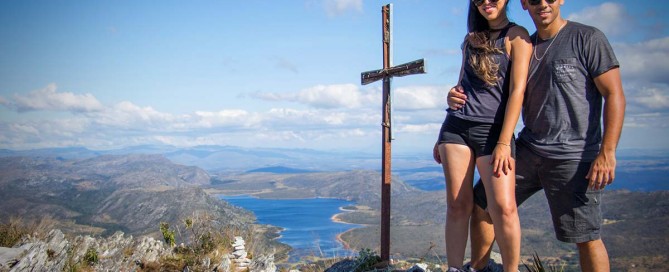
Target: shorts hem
[(451, 142), (579, 239)]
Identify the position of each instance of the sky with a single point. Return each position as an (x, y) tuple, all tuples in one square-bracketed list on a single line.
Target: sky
[(253, 73)]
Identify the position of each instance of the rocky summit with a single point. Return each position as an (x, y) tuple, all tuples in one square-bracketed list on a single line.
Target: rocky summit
[(116, 253)]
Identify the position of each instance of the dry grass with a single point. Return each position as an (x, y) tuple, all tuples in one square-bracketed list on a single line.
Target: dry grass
[(17, 228), (538, 266)]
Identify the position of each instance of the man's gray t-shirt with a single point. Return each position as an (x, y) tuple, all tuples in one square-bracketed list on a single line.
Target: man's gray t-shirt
[(562, 109)]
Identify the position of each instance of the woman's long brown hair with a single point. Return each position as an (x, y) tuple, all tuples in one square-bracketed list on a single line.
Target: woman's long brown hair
[(481, 47)]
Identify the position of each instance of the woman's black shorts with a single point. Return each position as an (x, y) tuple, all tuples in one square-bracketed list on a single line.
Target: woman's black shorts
[(480, 137)]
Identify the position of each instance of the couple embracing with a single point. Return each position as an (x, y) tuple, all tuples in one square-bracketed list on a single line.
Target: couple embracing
[(565, 79)]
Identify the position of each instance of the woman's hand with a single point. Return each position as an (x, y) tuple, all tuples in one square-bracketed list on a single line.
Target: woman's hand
[(501, 159)]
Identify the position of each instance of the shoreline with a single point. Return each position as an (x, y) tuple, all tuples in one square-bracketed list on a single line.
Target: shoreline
[(345, 244), (335, 218)]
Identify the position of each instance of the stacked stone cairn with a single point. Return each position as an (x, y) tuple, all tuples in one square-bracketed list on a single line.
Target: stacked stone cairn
[(240, 255)]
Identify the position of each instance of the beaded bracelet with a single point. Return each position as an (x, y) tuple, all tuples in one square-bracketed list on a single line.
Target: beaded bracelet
[(504, 144)]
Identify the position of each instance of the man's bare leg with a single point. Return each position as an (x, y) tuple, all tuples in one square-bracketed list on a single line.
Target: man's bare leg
[(593, 256), (482, 236)]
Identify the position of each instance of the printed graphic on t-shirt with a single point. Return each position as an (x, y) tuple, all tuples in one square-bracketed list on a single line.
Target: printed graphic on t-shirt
[(565, 70)]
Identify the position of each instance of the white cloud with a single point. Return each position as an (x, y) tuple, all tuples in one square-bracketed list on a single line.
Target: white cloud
[(283, 118), (48, 99), (610, 18), (339, 7), (651, 98), (419, 98), (38, 133), (23, 128), (431, 128), (65, 127), (355, 139), (331, 96), (128, 115), (644, 61), (349, 96), (354, 133), (324, 96), (647, 107), (283, 136), (653, 120), (340, 115), (228, 117)]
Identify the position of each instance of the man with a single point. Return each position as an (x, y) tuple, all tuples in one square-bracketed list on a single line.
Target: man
[(561, 148)]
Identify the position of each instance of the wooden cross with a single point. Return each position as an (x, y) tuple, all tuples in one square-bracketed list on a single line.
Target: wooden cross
[(386, 74)]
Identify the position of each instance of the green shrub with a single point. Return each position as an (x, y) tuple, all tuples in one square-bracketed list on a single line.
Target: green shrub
[(366, 260), (91, 256), (168, 234)]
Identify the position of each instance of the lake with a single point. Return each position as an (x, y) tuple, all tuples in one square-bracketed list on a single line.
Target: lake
[(307, 223)]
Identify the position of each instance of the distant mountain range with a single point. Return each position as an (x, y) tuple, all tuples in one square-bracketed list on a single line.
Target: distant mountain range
[(223, 158), (638, 170), (234, 158), (280, 170)]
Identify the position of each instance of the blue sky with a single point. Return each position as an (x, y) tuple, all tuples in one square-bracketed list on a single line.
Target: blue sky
[(109, 74)]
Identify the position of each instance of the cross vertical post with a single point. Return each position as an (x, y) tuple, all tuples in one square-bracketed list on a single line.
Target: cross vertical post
[(386, 74)]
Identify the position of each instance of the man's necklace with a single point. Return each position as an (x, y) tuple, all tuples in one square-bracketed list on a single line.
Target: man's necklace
[(549, 45)]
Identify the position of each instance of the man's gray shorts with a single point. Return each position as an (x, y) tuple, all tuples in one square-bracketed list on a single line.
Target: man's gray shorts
[(576, 212)]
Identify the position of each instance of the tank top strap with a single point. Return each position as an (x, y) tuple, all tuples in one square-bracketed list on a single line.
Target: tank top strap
[(499, 41), (505, 30)]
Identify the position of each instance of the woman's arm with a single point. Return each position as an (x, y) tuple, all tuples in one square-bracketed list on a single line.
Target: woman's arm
[(520, 53)]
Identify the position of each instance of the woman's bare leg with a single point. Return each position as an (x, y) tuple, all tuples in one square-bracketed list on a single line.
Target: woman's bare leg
[(500, 192), (458, 165)]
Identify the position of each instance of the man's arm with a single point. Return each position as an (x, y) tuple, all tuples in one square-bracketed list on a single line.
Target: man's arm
[(603, 168)]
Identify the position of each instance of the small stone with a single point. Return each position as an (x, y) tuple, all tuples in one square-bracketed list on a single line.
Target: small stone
[(421, 267), (240, 255)]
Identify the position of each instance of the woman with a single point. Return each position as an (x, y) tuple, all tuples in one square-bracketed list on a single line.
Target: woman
[(480, 134)]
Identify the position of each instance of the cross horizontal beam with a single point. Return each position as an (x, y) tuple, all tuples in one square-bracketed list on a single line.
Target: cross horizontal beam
[(405, 69)]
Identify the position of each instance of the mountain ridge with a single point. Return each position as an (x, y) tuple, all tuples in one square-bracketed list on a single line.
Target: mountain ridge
[(106, 191)]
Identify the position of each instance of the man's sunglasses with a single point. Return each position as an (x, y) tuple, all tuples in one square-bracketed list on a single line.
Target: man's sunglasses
[(532, 2), (537, 2), (480, 2)]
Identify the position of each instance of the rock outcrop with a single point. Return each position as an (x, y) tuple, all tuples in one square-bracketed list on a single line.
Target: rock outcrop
[(116, 253), (239, 255)]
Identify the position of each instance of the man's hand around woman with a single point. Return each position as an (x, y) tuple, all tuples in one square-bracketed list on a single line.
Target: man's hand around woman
[(456, 98)]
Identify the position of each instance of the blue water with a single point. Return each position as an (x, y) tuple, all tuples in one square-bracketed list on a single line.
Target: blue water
[(433, 184), (307, 223)]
